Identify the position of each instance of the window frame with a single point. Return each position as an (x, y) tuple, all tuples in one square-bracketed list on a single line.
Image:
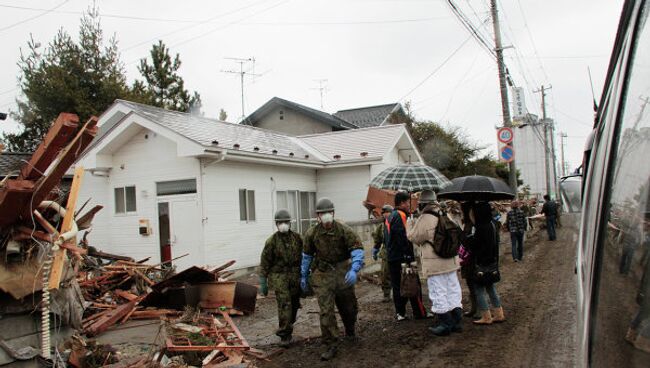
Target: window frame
[(125, 202), (245, 201)]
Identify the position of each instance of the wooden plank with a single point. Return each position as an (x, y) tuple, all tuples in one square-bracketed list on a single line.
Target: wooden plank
[(46, 224), (57, 137), (60, 255), (14, 197), (65, 159)]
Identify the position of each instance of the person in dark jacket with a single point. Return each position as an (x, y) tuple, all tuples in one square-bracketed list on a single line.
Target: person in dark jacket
[(485, 250), (400, 250), (516, 224), (549, 210), (467, 267)]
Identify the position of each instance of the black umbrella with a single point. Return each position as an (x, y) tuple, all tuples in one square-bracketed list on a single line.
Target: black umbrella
[(477, 188)]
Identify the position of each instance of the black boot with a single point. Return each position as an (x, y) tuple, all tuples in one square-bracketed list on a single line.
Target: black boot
[(350, 335), (285, 341), (445, 323), (457, 315), (329, 354)]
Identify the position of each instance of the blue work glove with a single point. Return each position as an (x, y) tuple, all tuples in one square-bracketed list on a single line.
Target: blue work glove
[(304, 271), (357, 264), (375, 252), (264, 286)]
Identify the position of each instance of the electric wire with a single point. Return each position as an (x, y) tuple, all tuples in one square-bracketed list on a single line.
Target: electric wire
[(47, 11), (532, 40), (444, 62)]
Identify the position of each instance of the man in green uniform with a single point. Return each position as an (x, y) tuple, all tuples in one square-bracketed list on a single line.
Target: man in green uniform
[(334, 255), (280, 270), (379, 251)]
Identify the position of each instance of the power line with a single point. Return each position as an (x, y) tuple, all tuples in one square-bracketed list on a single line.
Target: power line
[(436, 69), (469, 26), (147, 42), (338, 23), (47, 11), (532, 41)]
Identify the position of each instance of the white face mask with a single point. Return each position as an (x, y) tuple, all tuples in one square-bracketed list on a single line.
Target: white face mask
[(283, 227), (327, 218)]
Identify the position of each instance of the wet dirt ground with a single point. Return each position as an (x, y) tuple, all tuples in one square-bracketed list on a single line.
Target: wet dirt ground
[(538, 296)]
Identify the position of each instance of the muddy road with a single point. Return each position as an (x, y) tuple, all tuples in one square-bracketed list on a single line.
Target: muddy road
[(538, 296)]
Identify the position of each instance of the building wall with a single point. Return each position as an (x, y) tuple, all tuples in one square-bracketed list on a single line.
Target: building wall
[(144, 160), (293, 123), (529, 157), (228, 238), (347, 187)]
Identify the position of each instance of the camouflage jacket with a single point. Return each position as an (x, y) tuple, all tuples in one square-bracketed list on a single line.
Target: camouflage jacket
[(330, 247), (281, 254)]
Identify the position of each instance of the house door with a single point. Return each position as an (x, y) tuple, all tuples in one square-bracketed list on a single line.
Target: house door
[(179, 223)]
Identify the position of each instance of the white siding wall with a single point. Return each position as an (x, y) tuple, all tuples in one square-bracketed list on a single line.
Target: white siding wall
[(226, 237), (292, 123), (347, 187), (391, 159), (145, 161)]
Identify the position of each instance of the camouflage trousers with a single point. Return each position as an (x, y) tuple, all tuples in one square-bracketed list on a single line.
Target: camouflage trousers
[(331, 290), (385, 277), (287, 296)]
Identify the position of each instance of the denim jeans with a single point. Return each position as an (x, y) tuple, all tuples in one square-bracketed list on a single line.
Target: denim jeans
[(481, 297), (517, 239), (550, 227)]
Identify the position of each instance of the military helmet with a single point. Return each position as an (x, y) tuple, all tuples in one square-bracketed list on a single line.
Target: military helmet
[(324, 205), (282, 215), (387, 208), (428, 196)]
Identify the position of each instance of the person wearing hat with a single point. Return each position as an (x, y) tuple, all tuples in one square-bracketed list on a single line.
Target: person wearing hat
[(333, 256), (441, 273), (379, 251), (280, 270)]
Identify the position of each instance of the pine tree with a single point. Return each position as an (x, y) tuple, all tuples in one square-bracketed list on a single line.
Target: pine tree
[(223, 115), (65, 76), (164, 85)]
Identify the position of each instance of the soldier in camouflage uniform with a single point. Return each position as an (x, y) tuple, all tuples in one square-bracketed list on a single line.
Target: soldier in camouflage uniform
[(334, 255), (280, 270), (379, 251)]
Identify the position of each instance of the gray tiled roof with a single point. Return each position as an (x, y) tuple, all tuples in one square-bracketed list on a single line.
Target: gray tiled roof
[(349, 144), (204, 131), (326, 118), (12, 162), (366, 117)]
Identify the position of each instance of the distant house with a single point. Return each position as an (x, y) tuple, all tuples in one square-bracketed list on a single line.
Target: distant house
[(292, 118), (210, 188)]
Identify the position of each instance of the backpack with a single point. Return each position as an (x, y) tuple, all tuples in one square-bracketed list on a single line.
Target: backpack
[(447, 237)]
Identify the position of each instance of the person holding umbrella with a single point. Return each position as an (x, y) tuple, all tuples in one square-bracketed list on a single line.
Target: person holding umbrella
[(400, 251)]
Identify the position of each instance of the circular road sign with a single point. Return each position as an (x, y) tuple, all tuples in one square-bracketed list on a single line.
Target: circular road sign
[(505, 135), (507, 154)]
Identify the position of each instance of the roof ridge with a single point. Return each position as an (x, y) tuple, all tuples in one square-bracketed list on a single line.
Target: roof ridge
[(368, 107), (352, 130)]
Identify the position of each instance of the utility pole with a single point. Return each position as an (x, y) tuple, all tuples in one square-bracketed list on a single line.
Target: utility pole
[(505, 104), (242, 73), (565, 169), (322, 88), (547, 151)]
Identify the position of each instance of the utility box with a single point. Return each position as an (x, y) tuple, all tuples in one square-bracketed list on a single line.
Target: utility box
[(144, 228)]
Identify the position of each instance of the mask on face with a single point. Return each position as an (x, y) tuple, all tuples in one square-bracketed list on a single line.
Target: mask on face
[(283, 227), (327, 218)]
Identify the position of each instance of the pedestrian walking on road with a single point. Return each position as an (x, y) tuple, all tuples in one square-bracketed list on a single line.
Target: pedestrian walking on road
[(400, 251), (280, 271), (549, 209), (468, 263), (379, 251), (440, 271), (485, 250), (333, 254), (516, 224)]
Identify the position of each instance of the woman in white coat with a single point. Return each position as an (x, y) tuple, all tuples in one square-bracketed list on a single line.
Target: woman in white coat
[(441, 273)]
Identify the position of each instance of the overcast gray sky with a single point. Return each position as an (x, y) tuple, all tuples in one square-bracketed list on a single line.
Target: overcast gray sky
[(371, 52)]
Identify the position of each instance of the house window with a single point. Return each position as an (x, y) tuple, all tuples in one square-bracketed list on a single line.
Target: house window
[(174, 187), (247, 205), (125, 199), (301, 206)]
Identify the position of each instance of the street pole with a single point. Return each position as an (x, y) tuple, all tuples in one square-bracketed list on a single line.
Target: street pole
[(564, 165), (505, 105), (545, 125)]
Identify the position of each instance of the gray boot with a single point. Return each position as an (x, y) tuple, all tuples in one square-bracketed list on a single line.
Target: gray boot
[(330, 353)]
